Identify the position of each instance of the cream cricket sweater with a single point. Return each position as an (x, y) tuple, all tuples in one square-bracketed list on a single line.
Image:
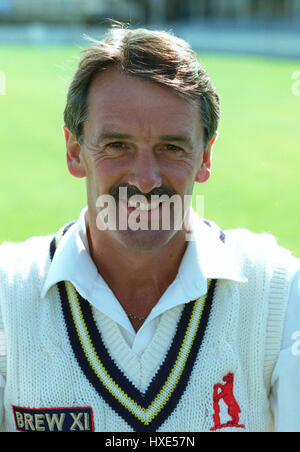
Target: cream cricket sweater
[(208, 366)]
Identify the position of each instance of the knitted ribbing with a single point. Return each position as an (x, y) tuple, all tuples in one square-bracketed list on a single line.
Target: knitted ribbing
[(277, 306)]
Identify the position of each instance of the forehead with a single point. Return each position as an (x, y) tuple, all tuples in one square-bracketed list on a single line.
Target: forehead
[(118, 100)]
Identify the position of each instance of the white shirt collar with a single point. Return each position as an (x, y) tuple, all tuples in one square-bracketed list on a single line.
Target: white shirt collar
[(206, 257)]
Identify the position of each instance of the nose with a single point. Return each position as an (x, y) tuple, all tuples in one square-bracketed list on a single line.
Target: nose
[(145, 172)]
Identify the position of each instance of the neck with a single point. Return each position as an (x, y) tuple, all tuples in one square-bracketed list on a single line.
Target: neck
[(138, 279)]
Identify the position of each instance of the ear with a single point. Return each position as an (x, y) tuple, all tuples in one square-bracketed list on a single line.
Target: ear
[(205, 170), (74, 155)]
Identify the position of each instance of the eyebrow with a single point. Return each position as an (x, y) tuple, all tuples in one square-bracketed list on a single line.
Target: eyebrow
[(183, 139), (113, 136)]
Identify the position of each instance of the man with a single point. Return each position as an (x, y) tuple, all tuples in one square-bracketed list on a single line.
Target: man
[(119, 323)]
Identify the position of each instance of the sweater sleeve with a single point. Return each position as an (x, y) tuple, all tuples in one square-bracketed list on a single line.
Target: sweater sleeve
[(2, 369), (2, 349), (285, 395)]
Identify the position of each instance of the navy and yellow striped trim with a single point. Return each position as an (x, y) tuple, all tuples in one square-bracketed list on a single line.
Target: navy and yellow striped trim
[(143, 411)]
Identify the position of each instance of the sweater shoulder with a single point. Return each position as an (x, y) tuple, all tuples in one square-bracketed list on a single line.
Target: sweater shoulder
[(242, 236), (20, 260), (253, 246)]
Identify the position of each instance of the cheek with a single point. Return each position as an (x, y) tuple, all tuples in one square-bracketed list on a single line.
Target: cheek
[(180, 176), (107, 174)]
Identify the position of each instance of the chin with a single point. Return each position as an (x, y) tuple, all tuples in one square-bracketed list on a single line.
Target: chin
[(144, 241)]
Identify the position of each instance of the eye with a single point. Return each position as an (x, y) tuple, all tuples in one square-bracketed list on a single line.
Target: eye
[(172, 149), (117, 145), (117, 148)]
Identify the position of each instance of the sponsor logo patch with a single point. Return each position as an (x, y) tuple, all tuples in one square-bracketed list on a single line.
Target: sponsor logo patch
[(78, 419)]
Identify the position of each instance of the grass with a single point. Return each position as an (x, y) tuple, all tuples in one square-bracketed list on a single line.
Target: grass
[(255, 174), (255, 179)]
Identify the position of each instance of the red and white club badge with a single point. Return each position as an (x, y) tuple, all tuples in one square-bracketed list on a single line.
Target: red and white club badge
[(225, 392)]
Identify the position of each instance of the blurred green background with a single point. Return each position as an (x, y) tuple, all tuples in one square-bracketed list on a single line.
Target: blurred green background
[(256, 161)]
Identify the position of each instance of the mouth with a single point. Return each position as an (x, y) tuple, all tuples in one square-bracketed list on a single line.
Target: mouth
[(149, 214), (154, 211), (138, 201), (142, 209), (143, 206)]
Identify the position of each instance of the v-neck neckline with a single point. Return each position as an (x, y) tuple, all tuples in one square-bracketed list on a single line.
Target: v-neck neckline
[(140, 369)]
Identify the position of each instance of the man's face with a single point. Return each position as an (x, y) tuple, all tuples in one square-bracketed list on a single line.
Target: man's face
[(144, 137)]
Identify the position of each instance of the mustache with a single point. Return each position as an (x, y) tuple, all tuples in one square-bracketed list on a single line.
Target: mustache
[(132, 191)]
